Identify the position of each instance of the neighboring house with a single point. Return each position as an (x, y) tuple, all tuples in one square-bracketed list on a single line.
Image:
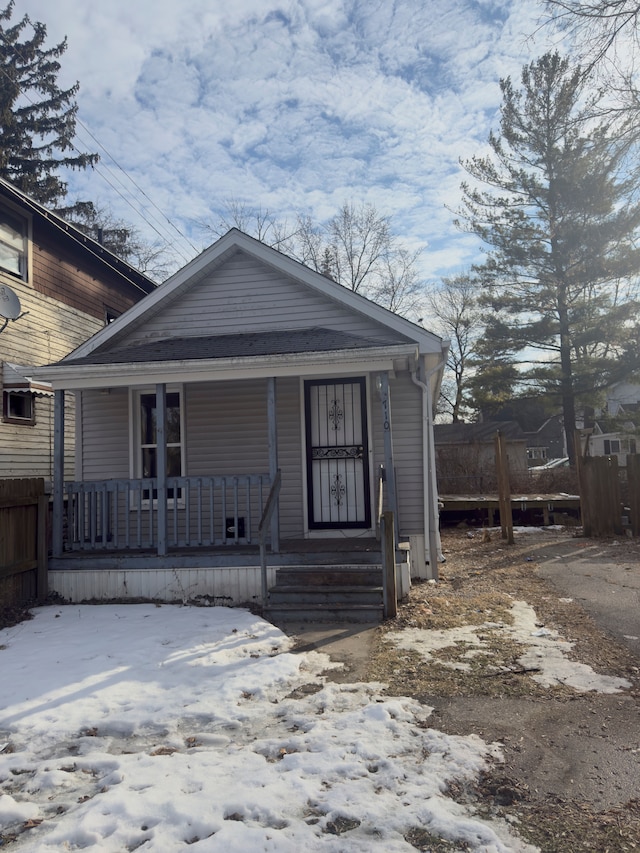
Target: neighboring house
[(242, 364), (547, 442), (466, 459), (618, 443), (68, 287)]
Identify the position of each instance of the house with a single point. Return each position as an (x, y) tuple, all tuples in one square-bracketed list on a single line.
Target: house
[(466, 459), (243, 364), (67, 287)]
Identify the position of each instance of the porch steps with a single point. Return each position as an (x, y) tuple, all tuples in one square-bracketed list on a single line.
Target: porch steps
[(347, 593)]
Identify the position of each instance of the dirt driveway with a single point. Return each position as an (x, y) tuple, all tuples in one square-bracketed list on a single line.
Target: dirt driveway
[(535, 646)]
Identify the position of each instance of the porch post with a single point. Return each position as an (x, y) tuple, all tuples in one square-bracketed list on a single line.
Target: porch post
[(161, 463), (390, 472), (273, 458), (58, 473)]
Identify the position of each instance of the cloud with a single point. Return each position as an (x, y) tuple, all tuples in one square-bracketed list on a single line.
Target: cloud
[(294, 105)]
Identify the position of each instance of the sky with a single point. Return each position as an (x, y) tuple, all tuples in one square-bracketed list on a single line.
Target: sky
[(290, 106), (170, 728)]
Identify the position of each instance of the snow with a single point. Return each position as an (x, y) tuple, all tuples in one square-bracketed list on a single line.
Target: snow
[(163, 729), (545, 653)]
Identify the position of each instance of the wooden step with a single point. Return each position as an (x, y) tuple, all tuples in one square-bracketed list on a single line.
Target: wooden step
[(346, 593)]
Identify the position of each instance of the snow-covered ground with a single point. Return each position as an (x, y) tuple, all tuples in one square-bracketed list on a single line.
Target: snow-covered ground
[(170, 728), (544, 652)]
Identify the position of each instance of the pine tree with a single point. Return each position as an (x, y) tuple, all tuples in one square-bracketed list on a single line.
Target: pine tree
[(37, 117), (554, 202)]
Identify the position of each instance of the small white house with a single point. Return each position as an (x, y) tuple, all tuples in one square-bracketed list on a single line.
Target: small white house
[(243, 364)]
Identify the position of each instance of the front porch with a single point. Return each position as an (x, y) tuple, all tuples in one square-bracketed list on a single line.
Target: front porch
[(230, 575)]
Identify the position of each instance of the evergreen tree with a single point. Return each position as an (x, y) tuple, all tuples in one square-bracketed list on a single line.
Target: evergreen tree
[(554, 202), (37, 117)]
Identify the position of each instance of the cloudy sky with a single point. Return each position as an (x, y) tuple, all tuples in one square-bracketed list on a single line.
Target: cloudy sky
[(288, 105)]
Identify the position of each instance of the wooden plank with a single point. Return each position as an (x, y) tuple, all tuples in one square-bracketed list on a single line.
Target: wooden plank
[(633, 479), (387, 534), (504, 489), (18, 568), (42, 538)]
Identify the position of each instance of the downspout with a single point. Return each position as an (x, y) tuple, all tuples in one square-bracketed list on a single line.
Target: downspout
[(431, 521)]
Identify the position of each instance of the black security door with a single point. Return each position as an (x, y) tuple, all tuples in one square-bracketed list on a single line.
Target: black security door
[(337, 454)]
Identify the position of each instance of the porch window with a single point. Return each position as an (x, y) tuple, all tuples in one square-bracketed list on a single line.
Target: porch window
[(147, 449)]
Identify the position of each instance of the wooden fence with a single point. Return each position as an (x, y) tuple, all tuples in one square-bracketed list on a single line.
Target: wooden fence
[(607, 493), (24, 509)]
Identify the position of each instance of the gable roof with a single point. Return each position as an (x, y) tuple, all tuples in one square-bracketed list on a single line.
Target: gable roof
[(214, 257), (75, 239)]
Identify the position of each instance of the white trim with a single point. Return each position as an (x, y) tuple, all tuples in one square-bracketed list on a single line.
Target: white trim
[(360, 361), (235, 240), (135, 456), (6, 276)]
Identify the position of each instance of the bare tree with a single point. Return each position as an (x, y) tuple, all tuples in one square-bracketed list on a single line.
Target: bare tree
[(259, 222), (356, 248), (454, 305), (597, 25)]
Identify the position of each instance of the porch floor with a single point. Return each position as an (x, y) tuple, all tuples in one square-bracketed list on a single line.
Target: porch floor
[(292, 551)]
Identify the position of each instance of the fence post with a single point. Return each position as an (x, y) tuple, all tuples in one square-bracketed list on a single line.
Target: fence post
[(504, 489), (633, 479)]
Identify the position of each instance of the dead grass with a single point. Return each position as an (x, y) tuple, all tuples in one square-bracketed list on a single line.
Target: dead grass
[(478, 584)]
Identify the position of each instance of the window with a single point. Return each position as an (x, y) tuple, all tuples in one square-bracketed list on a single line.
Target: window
[(18, 408), (13, 244), (611, 447), (146, 450)]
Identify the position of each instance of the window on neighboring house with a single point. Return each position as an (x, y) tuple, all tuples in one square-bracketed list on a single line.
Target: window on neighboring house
[(146, 461), (611, 446), (13, 244), (18, 408)]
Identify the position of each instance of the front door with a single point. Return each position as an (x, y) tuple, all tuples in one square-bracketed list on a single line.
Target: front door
[(337, 454)]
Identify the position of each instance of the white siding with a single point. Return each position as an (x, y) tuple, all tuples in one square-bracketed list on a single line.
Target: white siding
[(290, 458), (47, 332), (245, 296), (406, 420), (232, 586), (105, 445)]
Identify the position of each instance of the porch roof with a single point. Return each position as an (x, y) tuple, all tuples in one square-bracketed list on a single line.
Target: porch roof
[(243, 345), (308, 352)]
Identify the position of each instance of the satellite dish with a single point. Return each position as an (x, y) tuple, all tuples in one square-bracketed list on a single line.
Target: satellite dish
[(9, 303)]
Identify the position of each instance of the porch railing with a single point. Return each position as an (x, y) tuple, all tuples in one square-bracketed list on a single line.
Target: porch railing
[(201, 511)]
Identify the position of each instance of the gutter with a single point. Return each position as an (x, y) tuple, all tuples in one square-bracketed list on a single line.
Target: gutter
[(431, 519), (67, 375)]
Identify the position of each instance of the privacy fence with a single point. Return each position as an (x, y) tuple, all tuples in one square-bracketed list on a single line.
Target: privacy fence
[(24, 509), (609, 495)]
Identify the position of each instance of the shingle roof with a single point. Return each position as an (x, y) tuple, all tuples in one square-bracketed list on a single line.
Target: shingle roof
[(316, 339)]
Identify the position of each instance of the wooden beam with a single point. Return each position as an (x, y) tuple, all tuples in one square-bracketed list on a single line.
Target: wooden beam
[(390, 473), (272, 418), (161, 463)]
